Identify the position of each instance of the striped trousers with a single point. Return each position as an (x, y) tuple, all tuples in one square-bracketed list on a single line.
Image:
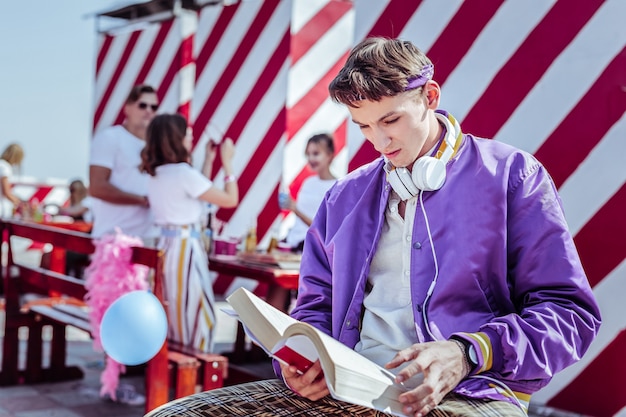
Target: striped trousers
[(188, 290), (272, 398)]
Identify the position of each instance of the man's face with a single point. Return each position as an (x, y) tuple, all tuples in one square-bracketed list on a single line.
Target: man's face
[(399, 127), (141, 112)]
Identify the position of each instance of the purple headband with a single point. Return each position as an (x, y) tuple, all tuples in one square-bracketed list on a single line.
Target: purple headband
[(425, 74)]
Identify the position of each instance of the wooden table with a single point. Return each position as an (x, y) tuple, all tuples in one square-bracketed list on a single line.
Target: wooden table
[(280, 283), (265, 273), (57, 256)]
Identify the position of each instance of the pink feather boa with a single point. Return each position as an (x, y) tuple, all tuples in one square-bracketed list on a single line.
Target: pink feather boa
[(109, 276)]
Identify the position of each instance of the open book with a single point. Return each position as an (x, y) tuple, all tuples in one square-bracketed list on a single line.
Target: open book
[(350, 376)]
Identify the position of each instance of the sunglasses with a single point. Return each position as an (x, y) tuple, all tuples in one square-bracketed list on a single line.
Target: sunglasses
[(144, 106)]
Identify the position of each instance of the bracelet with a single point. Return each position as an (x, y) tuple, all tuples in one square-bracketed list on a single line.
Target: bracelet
[(230, 178), (467, 368)]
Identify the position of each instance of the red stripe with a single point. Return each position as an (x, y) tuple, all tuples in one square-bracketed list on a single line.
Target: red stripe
[(148, 63), (394, 18), (470, 19), (365, 154), (601, 243), (311, 32), (557, 29), (232, 69), (269, 213), (222, 23), (132, 40), (587, 123), (102, 53), (301, 111), (600, 389), (261, 155), (261, 86), (185, 110), (41, 193)]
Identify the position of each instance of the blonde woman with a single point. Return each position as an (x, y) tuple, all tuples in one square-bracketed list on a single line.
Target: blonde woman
[(11, 157)]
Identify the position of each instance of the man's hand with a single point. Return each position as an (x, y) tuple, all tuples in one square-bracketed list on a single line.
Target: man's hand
[(443, 366), (311, 384)]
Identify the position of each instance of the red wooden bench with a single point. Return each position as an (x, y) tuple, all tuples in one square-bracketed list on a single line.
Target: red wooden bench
[(29, 304)]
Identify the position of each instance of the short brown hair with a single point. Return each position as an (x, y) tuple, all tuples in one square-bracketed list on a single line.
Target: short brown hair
[(137, 91), (323, 138), (376, 68), (164, 142)]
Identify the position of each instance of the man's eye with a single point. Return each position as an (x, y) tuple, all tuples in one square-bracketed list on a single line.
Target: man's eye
[(391, 121)]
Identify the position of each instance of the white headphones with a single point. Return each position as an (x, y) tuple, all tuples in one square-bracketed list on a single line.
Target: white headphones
[(429, 172)]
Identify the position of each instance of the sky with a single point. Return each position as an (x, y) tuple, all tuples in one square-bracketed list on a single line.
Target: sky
[(47, 60)]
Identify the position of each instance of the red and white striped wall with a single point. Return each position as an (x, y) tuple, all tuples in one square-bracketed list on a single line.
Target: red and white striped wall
[(158, 53), (549, 78)]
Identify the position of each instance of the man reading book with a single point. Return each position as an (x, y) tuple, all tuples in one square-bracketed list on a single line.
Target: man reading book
[(448, 257)]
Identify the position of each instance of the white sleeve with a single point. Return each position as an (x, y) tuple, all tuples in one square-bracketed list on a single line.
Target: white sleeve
[(5, 169), (195, 183), (103, 148)]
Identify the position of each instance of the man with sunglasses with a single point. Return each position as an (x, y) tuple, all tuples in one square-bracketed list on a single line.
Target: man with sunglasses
[(118, 187)]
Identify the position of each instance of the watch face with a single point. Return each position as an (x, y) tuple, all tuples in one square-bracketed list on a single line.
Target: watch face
[(471, 355)]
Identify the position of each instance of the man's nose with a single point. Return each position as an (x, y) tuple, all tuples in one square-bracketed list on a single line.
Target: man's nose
[(380, 139)]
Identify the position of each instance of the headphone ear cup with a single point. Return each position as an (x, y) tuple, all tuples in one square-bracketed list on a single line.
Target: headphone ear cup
[(429, 173), (402, 183)]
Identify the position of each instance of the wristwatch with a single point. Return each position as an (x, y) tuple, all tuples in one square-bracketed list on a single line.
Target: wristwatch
[(470, 352)]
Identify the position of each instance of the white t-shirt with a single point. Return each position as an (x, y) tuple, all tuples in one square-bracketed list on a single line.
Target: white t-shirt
[(117, 149), (309, 199), (173, 193), (6, 206)]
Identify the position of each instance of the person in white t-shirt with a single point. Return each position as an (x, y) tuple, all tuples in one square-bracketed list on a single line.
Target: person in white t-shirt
[(178, 193), (320, 151), (12, 156), (118, 187)]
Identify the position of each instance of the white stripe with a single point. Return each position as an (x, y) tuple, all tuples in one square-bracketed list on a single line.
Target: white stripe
[(320, 58), (109, 64), (128, 76), (367, 13), (428, 22), (498, 41), (223, 53), (610, 296), (187, 75), (260, 192), (304, 11), (356, 140), (165, 56), (206, 24), (568, 79), (596, 179)]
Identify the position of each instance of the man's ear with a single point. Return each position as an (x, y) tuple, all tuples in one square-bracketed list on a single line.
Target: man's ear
[(432, 92)]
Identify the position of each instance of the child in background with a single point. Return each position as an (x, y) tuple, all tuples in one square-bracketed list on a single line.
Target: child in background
[(320, 151), (177, 194)]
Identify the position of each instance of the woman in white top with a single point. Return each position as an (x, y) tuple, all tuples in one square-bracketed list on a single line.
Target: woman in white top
[(177, 194), (12, 156), (319, 151)]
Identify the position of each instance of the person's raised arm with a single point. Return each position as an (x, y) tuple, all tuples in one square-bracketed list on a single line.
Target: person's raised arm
[(100, 187), (229, 196)]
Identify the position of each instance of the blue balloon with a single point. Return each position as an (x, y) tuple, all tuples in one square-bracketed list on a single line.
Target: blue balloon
[(134, 328)]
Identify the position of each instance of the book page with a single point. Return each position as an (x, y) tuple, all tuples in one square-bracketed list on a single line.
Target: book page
[(263, 323)]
